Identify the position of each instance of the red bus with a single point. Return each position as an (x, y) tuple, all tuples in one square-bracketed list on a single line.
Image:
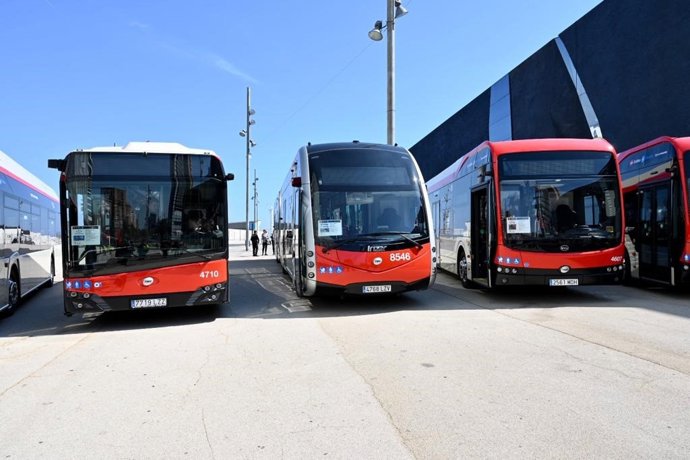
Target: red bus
[(531, 212), (353, 218), (655, 196), (143, 226)]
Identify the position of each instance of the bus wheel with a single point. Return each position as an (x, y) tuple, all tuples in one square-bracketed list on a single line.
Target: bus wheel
[(626, 271), (462, 270), (51, 280), (297, 275), (13, 292)]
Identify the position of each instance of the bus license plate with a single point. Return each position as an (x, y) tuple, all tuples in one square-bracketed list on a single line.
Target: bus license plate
[(146, 303), (375, 289), (563, 282)]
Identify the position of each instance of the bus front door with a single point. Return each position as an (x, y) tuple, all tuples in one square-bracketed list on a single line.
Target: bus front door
[(655, 232), (480, 232)]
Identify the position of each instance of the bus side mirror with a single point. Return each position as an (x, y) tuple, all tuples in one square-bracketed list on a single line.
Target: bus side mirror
[(296, 181), (57, 164), (229, 177)]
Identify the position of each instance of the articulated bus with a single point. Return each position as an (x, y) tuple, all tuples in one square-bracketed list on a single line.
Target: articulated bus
[(353, 218), (29, 232), (655, 194), (143, 226), (531, 212)]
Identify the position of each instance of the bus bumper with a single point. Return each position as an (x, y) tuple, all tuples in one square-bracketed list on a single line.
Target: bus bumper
[(554, 278), (87, 302)]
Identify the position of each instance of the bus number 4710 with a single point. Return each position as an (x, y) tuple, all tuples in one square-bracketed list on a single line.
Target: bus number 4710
[(209, 274)]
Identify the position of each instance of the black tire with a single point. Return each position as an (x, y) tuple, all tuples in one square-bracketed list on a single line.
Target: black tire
[(299, 286), (462, 270), (627, 277), (51, 281), (14, 293)]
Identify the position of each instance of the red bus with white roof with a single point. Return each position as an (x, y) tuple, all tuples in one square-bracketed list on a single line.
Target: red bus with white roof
[(655, 194), (143, 226), (353, 218), (531, 212)]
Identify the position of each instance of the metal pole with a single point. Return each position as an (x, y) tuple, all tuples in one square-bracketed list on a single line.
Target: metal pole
[(246, 218), (256, 201), (390, 26)]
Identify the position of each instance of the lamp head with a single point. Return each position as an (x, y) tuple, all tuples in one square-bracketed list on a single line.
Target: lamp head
[(243, 133), (375, 33), (399, 9)]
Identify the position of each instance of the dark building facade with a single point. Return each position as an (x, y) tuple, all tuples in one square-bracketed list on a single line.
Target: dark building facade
[(621, 72)]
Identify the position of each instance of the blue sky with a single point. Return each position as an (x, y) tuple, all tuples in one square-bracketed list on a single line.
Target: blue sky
[(80, 74)]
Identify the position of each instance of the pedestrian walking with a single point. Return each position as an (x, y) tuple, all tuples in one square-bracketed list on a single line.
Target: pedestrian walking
[(264, 243)]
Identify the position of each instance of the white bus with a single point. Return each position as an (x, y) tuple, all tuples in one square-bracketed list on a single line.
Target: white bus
[(29, 231)]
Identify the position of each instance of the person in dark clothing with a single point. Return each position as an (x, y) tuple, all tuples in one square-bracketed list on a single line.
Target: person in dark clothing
[(255, 244)]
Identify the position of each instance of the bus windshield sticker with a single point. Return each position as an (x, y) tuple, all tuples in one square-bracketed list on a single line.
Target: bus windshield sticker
[(354, 198), (517, 225), (610, 200), (331, 227), (86, 235)]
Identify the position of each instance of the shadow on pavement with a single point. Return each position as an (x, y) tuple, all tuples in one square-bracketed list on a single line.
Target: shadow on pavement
[(260, 290)]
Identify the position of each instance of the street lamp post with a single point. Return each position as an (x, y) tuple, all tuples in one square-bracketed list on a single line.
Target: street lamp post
[(394, 10), (256, 200), (250, 143)]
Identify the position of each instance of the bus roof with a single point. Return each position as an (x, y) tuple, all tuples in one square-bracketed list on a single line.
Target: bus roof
[(515, 146), (20, 173), (550, 144), (151, 147), (315, 148), (682, 143)]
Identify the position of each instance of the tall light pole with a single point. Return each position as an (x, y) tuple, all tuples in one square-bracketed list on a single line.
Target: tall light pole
[(394, 10), (256, 199), (250, 144)]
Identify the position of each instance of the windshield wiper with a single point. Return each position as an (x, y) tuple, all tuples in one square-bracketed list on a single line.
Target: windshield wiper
[(401, 234), (100, 251), (188, 251), (337, 244)]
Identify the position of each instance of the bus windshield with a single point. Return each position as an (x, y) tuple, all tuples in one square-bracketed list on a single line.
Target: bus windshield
[(134, 211), (364, 196), (552, 200)]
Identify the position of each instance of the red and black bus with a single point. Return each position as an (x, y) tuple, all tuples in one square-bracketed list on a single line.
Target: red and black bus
[(353, 218), (143, 226), (655, 195), (531, 212)]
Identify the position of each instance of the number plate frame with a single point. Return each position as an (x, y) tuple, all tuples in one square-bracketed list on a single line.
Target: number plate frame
[(377, 289), (149, 303), (564, 282)]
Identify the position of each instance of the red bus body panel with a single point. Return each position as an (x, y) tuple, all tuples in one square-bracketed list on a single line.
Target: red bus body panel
[(343, 268), (165, 280)]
